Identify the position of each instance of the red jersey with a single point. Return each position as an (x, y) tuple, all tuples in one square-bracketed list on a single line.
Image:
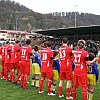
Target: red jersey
[(79, 61), (46, 53), (26, 50), (18, 52), (3, 52), (65, 58), (7, 54)]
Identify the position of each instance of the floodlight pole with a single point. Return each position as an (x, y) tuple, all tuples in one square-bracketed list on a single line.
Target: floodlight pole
[(75, 14)]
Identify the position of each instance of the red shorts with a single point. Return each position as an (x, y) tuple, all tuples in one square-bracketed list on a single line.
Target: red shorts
[(25, 67), (3, 63), (8, 66), (46, 75), (80, 80), (15, 65), (66, 75)]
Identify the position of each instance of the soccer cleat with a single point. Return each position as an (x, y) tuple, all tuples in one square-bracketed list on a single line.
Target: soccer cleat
[(61, 96), (51, 94), (41, 91), (69, 98)]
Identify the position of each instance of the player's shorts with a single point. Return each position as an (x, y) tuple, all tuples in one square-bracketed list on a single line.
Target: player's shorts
[(3, 63), (91, 79), (15, 65), (55, 75), (25, 67), (46, 75), (80, 80), (35, 68), (8, 66), (66, 75)]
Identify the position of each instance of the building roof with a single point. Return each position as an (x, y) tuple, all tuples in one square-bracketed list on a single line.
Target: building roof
[(95, 29), (13, 31)]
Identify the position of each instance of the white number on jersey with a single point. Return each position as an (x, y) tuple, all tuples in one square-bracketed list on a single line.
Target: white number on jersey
[(44, 56), (77, 58), (62, 54), (23, 51)]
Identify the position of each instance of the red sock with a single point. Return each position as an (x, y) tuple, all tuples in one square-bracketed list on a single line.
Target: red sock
[(60, 90), (41, 84), (84, 92), (6, 75), (21, 82), (74, 93), (49, 86), (12, 77), (2, 71), (24, 81), (19, 75), (68, 92)]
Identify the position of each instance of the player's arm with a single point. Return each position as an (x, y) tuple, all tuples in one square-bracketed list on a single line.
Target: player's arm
[(90, 62), (31, 55)]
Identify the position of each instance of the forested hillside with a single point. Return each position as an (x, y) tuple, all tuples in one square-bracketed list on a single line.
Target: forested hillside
[(13, 13)]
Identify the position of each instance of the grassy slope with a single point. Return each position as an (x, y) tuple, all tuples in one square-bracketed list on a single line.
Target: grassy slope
[(10, 91)]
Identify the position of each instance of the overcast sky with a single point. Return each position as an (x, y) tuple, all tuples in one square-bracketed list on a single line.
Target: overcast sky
[(49, 6)]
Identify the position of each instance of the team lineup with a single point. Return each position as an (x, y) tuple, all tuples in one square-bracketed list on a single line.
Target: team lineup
[(77, 68)]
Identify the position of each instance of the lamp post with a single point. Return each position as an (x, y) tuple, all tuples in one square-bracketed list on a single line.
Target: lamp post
[(75, 14), (16, 23)]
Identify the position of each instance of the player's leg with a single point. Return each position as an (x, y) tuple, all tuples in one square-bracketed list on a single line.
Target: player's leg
[(25, 78), (37, 80), (43, 75), (18, 77), (68, 89), (37, 73), (92, 84), (75, 84), (74, 92), (90, 92), (33, 76), (69, 84), (62, 78), (54, 81), (2, 72), (53, 86), (49, 76), (26, 73), (84, 92)]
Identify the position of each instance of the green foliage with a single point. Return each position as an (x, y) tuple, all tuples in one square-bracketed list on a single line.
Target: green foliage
[(10, 10)]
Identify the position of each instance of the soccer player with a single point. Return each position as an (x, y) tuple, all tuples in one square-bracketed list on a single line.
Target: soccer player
[(3, 59), (65, 53), (15, 56), (46, 68), (7, 61), (56, 71), (92, 74), (81, 58), (36, 67), (26, 54)]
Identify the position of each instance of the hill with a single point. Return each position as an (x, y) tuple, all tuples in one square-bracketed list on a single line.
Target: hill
[(13, 14)]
